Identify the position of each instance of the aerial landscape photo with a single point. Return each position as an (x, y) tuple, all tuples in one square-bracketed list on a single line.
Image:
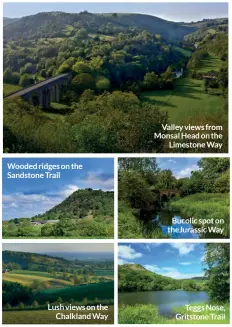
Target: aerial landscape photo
[(174, 198), (174, 283), (58, 198), (58, 283), (115, 77)]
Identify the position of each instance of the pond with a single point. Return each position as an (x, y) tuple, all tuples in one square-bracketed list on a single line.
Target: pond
[(166, 301)]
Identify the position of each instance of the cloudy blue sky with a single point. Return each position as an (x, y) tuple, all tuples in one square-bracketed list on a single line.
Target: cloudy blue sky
[(28, 197), (181, 167), (176, 260), (171, 11)]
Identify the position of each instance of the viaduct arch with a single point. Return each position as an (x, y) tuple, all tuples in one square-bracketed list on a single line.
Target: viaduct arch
[(43, 93)]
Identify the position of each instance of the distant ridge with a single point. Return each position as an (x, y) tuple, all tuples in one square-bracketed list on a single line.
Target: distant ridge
[(42, 24)]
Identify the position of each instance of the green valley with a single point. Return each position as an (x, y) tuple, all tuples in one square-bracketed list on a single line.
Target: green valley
[(32, 282), (149, 295), (123, 69)]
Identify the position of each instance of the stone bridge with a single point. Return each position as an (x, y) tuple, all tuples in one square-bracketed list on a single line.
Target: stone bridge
[(166, 195), (43, 93)]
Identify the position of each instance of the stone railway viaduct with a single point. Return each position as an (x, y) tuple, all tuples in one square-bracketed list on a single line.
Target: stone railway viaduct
[(43, 93)]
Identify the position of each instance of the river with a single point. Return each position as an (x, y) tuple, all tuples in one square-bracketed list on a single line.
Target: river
[(166, 301)]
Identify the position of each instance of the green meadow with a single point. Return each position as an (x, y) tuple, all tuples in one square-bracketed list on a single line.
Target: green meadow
[(10, 88), (49, 317), (148, 314), (187, 101), (214, 206)]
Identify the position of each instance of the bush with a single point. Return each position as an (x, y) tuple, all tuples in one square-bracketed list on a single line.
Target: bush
[(138, 314)]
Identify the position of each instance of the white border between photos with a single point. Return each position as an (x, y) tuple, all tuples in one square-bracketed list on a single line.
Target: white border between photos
[(115, 156)]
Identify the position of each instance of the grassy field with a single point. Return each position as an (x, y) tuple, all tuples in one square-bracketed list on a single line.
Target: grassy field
[(206, 206), (212, 62), (32, 272), (188, 101), (148, 314), (27, 280), (49, 317), (10, 88)]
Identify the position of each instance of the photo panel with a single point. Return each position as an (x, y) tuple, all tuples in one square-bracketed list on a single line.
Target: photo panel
[(174, 198), (174, 283), (61, 283), (69, 198), (115, 78)]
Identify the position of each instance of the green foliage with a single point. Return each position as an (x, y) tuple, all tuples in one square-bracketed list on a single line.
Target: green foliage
[(15, 293), (143, 191), (138, 314), (129, 314), (135, 278), (218, 272), (102, 83), (26, 80), (10, 78), (84, 214), (143, 165), (82, 82), (108, 53)]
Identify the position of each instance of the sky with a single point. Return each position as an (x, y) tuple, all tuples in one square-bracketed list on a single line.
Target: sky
[(58, 247), (181, 167), (171, 11), (29, 197), (176, 260)]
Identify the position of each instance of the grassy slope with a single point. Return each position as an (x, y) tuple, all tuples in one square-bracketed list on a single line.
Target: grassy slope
[(10, 88), (27, 280), (187, 100), (49, 317)]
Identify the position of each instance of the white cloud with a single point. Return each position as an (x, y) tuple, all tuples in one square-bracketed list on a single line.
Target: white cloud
[(127, 252), (183, 248), (149, 246), (96, 181), (124, 262), (68, 190), (153, 268), (185, 263), (186, 172)]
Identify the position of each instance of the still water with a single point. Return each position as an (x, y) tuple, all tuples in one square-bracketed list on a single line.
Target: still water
[(164, 300), (164, 220)]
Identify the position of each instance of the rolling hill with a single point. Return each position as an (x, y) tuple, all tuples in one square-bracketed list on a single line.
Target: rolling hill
[(135, 278), (80, 204), (7, 20), (54, 24), (26, 259)]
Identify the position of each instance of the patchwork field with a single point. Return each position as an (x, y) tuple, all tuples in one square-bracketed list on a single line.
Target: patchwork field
[(28, 280)]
